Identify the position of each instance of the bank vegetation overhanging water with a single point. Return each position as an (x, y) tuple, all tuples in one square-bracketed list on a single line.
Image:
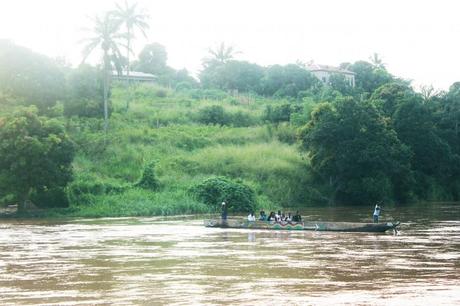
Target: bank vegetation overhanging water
[(181, 146)]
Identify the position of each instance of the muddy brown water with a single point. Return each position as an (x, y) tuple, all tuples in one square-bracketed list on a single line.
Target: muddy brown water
[(155, 261)]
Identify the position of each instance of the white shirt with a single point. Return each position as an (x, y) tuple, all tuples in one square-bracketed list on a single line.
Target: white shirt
[(251, 218), (377, 210)]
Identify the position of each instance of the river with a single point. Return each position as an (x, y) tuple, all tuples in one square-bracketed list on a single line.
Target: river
[(169, 261)]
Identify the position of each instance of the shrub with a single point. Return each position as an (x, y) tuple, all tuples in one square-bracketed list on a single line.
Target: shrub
[(214, 114), (241, 119), (148, 179), (285, 133), (183, 86), (84, 191), (55, 197), (277, 114), (214, 190), (161, 93)]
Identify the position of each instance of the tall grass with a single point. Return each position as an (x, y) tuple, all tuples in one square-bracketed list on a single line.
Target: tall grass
[(139, 202), (163, 129), (274, 169)]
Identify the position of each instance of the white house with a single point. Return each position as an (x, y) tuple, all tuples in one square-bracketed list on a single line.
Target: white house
[(134, 76), (324, 72)]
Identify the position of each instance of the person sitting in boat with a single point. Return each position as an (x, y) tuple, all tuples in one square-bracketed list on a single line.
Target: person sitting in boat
[(271, 217), (377, 211), (251, 217), (278, 216), (263, 216), (289, 217), (297, 217)]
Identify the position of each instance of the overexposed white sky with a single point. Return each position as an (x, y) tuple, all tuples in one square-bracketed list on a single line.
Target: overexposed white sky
[(418, 40)]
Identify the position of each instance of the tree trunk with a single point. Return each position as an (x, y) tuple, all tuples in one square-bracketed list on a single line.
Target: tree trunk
[(22, 205), (106, 93), (128, 68)]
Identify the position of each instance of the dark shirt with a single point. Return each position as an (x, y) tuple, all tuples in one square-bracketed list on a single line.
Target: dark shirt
[(297, 218), (224, 212)]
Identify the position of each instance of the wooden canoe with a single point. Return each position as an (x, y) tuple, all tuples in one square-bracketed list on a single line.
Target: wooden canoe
[(304, 226)]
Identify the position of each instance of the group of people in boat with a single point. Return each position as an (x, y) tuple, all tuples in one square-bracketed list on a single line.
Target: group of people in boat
[(276, 217), (272, 217), (281, 217)]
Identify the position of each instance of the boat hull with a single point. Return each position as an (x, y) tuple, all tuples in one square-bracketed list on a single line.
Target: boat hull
[(304, 226)]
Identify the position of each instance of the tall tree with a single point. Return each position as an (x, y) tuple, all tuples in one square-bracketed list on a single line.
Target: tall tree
[(152, 59), (29, 77), (35, 155), (107, 37), (434, 164), (376, 60), (221, 54), (133, 18), (354, 150), (368, 77)]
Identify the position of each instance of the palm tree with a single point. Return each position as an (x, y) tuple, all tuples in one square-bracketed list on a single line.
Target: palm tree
[(107, 37), (221, 54), (132, 18), (377, 61)]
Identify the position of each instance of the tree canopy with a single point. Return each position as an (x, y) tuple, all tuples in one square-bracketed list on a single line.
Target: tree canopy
[(355, 152), (35, 154), (31, 77)]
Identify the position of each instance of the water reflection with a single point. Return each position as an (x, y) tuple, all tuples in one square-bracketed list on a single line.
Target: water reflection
[(153, 261)]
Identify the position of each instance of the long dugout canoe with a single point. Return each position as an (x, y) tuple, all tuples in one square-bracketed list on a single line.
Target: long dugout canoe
[(304, 226)]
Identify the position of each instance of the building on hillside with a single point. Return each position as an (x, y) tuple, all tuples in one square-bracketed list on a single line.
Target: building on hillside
[(324, 72), (134, 76)]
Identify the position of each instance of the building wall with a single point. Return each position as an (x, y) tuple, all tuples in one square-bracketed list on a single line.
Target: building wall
[(324, 76)]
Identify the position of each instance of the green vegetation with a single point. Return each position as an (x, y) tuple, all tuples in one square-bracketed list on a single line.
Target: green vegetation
[(257, 137), (36, 156), (215, 190)]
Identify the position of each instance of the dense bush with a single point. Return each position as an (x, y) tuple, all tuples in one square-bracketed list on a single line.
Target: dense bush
[(274, 169), (35, 154), (161, 93), (83, 190), (281, 113), (214, 114), (56, 197), (183, 86), (217, 115), (241, 119), (212, 191), (148, 179)]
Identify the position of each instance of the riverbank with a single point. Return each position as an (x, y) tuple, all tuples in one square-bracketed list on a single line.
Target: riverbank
[(169, 129)]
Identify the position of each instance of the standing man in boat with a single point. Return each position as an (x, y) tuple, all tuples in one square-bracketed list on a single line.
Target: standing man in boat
[(377, 211), (224, 212)]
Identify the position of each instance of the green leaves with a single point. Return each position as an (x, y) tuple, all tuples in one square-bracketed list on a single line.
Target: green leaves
[(355, 151), (212, 191), (30, 77), (149, 179), (35, 154)]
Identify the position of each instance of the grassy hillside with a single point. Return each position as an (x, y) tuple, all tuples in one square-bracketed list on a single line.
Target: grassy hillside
[(165, 127)]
